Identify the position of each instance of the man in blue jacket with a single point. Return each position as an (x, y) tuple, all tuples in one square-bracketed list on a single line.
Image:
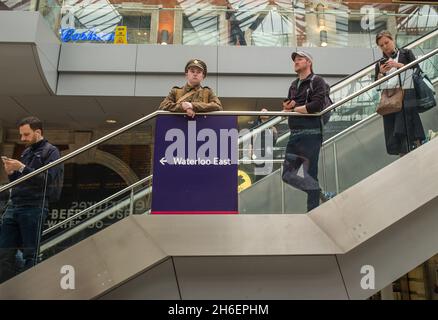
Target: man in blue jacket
[(306, 95), (28, 204)]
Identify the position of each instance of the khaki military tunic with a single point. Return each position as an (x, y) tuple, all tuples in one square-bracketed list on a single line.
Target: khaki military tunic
[(203, 100)]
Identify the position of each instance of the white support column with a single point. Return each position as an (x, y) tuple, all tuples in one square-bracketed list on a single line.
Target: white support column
[(178, 26)]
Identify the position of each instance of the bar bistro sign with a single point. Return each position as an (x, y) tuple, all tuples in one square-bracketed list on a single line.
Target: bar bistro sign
[(69, 33), (86, 21), (76, 35)]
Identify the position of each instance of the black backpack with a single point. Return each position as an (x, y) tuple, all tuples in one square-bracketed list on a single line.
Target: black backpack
[(54, 189), (327, 100)]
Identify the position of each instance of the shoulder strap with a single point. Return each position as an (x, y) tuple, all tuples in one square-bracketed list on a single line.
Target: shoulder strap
[(311, 87), (178, 93), (206, 94), (311, 81), (188, 94)]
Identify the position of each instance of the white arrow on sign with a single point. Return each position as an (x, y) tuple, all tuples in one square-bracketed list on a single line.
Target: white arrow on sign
[(163, 161)]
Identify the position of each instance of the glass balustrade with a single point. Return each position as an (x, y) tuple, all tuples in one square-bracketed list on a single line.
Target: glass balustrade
[(362, 106), (233, 23), (347, 157), (100, 186)]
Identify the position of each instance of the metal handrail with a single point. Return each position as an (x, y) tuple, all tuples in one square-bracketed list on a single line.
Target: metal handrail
[(345, 82), (96, 205), (244, 161), (293, 9), (77, 228), (85, 224), (216, 113), (372, 115), (360, 123), (342, 101), (124, 203), (370, 68), (347, 130), (379, 81)]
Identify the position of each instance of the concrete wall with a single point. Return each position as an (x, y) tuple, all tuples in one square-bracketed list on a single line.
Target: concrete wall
[(151, 70), (29, 54)]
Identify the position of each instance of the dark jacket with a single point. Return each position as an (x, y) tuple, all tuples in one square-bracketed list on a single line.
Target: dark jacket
[(231, 16), (30, 192), (405, 125), (406, 56), (314, 101)]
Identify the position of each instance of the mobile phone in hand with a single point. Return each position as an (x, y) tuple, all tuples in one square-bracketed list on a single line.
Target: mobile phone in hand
[(383, 61)]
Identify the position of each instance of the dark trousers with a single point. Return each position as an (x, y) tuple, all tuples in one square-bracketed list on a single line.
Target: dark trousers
[(21, 229), (237, 35), (403, 128), (305, 149)]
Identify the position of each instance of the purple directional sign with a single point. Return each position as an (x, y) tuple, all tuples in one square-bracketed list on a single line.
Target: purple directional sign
[(195, 165)]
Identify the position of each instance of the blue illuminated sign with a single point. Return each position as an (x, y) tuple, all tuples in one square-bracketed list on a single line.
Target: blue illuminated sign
[(74, 35)]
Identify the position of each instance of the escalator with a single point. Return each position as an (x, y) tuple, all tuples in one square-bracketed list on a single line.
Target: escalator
[(362, 107), (380, 205), (354, 124)]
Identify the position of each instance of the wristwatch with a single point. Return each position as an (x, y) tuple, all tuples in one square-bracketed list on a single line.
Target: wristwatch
[(21, 169)]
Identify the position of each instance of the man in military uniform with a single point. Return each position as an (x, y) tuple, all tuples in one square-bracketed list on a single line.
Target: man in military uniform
[(192, 97)]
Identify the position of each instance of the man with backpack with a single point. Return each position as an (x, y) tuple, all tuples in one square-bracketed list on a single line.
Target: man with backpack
[(28, 203), (309, 93)]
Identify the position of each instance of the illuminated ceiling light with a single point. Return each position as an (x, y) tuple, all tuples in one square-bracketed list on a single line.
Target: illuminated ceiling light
[(111, 121), (164, 37), (323, 38)]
